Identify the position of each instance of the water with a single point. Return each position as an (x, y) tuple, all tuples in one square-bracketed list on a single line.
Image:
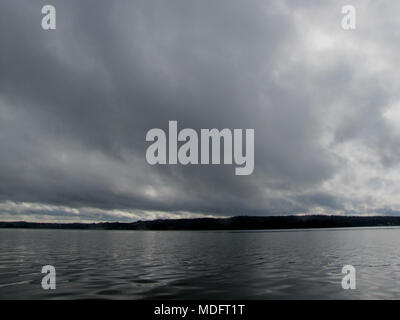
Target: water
[(302, 264)]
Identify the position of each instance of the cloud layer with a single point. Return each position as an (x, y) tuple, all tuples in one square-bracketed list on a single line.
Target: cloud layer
[(76, 104)]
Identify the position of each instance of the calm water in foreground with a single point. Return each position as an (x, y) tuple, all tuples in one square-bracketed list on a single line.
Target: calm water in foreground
[(303, 264)]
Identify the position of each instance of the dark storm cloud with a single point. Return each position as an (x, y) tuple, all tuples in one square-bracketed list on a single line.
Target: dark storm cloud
[(76, 103)]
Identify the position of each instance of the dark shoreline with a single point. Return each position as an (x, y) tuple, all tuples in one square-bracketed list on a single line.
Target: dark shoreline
[(234, 223)]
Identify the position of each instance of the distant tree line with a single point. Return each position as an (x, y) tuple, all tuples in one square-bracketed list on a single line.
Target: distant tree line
[(234, 223)]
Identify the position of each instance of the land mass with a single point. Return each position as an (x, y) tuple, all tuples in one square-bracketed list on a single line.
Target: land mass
[(234, 223)]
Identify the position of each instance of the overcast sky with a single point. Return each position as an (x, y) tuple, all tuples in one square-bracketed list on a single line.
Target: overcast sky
[(76, 104)]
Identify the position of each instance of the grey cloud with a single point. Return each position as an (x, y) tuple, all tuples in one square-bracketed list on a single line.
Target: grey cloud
[(76, 104)]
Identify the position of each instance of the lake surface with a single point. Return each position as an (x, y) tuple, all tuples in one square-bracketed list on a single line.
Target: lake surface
[(302, 264)]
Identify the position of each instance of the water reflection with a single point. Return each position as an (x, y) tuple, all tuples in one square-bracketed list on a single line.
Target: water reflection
[(303, 264)]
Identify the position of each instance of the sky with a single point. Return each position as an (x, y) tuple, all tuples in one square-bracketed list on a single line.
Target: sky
[(76, 104)]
